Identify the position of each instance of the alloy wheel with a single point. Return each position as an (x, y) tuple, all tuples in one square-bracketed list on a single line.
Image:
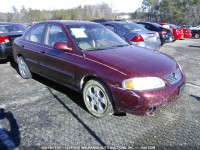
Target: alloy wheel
[(96, 99)]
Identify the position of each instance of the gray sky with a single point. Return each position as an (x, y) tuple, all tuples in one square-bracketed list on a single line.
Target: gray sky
[(118, 5)]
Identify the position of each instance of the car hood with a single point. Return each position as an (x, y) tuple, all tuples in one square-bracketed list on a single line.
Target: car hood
[(134, 61)]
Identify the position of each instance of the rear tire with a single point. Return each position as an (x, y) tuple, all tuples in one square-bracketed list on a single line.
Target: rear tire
[(97, 98), (23, 68)]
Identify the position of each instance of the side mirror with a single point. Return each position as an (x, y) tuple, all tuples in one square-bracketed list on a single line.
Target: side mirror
[(62, 46)]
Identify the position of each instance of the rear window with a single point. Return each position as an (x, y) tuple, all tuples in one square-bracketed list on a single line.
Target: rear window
[(173, 26), (11, 28), (133, 27), (156, 25)]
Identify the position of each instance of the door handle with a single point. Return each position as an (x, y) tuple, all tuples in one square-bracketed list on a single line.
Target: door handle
[(43, 52)]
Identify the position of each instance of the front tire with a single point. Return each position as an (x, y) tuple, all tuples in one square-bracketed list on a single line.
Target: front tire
[(23, 68), (97, 98)]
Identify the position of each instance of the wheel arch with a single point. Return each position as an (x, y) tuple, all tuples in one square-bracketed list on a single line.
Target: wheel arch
[(17, 56), (85, 79)]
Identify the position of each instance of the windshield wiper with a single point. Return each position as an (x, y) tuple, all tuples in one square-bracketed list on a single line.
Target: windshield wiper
[(114, 46), (94, 49), (104, 48)]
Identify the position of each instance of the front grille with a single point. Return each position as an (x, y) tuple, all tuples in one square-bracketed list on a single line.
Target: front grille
[(173, 77)]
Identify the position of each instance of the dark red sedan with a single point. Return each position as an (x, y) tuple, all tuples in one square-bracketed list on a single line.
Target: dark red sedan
[(112, 75)]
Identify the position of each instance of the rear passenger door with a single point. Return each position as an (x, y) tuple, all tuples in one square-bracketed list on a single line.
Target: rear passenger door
[(32, 47), (58, 64)]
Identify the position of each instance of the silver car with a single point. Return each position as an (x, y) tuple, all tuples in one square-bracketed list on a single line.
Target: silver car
[(135, 34)]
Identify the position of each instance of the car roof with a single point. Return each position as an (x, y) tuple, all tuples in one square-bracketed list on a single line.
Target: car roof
[(116, 22), (152, 23), (68, 22)]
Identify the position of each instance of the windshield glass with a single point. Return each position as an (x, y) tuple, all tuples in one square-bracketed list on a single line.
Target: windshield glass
[(94, 37), (11, 28), (133, 27)]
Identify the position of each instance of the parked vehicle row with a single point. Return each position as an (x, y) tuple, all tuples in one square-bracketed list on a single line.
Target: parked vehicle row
[(112, 75), (141, 34)]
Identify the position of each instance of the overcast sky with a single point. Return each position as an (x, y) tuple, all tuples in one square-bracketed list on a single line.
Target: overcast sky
[(118, 5)]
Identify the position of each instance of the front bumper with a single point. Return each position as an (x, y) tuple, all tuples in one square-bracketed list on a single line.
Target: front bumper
[(178, 36), (140, 103), (187, 35)]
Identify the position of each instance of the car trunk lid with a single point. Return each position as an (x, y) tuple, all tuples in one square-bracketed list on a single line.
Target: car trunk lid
[(9, 38)]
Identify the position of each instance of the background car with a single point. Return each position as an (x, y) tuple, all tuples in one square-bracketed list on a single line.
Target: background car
[(101, 20), (135, 34), (195, 28), (186, 30), (177, 32), (195, 34), (8, 32), (112, 75), (165, 34)]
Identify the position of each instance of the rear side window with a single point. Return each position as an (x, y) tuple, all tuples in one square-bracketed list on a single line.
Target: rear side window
[(36, 33), (111, 27), (54, 34), (121, 31), (150, 27), (142, 25)]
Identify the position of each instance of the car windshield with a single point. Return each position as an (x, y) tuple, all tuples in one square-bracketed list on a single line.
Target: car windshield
[(94, 37), (133, 27), (11, 28)]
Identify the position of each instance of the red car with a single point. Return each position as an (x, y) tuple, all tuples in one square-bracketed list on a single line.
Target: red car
[(187, 33), (112, 75), (178, 33)]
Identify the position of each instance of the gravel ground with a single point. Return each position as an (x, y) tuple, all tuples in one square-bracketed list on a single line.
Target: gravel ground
[(40, 114)]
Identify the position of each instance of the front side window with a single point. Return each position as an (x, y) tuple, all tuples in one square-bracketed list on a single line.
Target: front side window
[(94, 37), (54, 34), (36, 33)]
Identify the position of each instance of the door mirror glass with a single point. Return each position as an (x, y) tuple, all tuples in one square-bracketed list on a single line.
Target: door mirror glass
[(62, 46)]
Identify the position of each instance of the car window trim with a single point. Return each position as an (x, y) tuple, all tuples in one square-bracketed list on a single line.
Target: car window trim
[(30, 31), (111, 25), (47, 28)]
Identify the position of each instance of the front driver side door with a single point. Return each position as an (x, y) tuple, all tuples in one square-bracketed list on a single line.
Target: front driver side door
[(58, 65)]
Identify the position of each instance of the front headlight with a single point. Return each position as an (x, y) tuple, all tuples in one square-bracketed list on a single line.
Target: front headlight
[(143, 83)]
